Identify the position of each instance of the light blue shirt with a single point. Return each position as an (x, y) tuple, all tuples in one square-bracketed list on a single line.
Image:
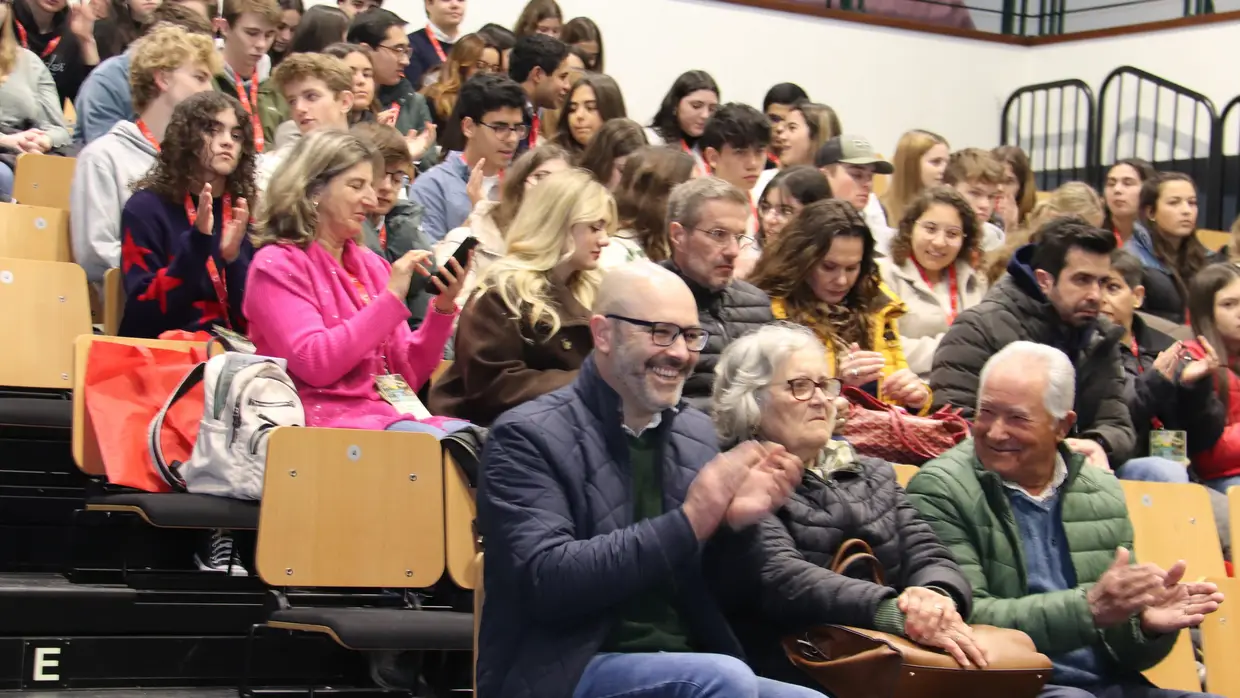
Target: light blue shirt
[(442, 192), (104, 99)]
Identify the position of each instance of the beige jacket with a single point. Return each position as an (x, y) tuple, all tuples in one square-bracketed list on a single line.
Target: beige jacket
[(491, 246), (925, 323)]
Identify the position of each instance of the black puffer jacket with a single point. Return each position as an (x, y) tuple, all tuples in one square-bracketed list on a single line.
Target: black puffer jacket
[(778, 579), (728, 314), (1015, 309)]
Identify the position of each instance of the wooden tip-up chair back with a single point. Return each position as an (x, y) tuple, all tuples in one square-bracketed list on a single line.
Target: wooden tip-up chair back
[(44, 307)]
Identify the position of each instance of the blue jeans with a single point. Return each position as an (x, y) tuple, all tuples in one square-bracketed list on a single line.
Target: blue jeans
[(1221, 484), (6, 182), (1152, 469), (1127, 689), (678, 675), (421, 428)]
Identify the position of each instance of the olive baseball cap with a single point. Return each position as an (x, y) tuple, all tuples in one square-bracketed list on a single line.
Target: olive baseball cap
[(851, 150)]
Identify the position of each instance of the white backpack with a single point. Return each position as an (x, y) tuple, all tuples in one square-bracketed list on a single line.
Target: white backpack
[(245, 397)]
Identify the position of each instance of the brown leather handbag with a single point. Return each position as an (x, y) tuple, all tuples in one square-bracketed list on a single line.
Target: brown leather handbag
[(859, 663)]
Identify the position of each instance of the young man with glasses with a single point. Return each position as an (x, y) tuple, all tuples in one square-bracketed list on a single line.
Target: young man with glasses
[(489, 110), (596, 501), (706, 226), (384, 32)]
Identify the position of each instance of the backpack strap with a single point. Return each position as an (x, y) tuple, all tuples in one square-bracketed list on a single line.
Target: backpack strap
[(154, 445)]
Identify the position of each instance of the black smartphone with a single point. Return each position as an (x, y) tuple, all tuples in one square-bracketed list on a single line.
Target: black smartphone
[(461, 256)]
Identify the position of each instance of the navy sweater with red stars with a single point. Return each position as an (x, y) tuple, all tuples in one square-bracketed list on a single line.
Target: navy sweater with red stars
[(164, 261)]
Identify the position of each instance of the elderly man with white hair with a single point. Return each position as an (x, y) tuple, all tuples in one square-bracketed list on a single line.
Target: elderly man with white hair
[(1045, 542)]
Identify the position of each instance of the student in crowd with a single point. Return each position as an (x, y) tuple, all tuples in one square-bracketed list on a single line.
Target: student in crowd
[(502, 39), (105, 97), (774, 386), (1214, 304), (540, 17), (1165, 387), (850, 163), (431, 45), (526, 330), (1229, 252), (469, 56), (30, 110), (1018, 193), (821, 273), (733, 145), (706, 228), (607, 535), (776, 105), (788, 192), (125, 22), (1122, 190), (249, 30), (1051, 295), (930, 268), (593, 100), (683, 114), (384, 33), (489, 220), (539, 63), (978, 176), (358, 59), (610, 148), (1167, 243), (1070, 199), (318, 90), (394, 227), (489, 111), (920, 160), (353, 8), (185, 248), (646, 183), (549, 119), (1044, 540), (333, 309), (62, 36), (804, 130), (168, 65), (322, 26), (290, 18), (583, 34)]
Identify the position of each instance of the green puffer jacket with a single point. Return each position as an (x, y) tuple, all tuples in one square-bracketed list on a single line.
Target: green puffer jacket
[(272, 109), (968, 508)]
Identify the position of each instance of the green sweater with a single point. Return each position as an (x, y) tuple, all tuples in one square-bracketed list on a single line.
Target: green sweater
[(272, 109), (969, 510), (649, 622)]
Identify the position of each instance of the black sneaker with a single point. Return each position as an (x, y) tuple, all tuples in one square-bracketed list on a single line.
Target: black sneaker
[(216, 555)]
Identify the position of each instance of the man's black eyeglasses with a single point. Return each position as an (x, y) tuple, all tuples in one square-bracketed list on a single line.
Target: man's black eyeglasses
[(664, 334)]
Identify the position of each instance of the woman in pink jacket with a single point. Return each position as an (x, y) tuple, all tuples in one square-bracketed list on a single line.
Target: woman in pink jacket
[(331, 307)]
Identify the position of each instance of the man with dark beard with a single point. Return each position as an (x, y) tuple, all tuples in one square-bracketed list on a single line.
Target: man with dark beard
[(595, 501), (1052, 294)]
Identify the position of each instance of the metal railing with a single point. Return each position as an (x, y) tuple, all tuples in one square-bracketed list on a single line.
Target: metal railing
[(1062, 140)]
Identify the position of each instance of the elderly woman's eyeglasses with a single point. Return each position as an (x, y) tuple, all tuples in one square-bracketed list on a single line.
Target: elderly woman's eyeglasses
[(803, 388), (664, 334)]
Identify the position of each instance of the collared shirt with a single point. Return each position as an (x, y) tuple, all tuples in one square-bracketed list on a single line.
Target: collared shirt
[(1061, 474), (654, 423)]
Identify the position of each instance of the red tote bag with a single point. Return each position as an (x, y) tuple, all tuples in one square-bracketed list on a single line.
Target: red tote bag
[(125, 387)]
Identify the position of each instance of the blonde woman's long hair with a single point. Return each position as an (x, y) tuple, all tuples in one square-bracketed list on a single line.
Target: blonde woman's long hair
[(1070, 199), (539, 239), (907, 184), (288, 213), (8, 44)]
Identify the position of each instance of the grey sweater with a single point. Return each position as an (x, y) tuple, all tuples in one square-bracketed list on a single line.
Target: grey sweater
[(29, 99)]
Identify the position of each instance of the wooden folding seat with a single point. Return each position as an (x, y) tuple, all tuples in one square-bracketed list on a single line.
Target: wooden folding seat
[(1173, 522), (1220, 641), (359, 510), (43, 180), (113, 301), (35, 232), (1213, 239), (904, 473)]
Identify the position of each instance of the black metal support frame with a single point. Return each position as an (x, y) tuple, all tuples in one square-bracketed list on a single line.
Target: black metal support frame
[(1043, 94)]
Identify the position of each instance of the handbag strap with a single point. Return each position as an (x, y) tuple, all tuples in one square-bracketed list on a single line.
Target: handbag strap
[(853, 551), (155, 445)]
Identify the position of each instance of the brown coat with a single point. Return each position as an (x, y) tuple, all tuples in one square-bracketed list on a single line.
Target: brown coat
[(502, 362)]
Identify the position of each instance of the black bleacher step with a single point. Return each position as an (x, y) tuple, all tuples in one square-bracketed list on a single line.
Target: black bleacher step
[(128, 693)]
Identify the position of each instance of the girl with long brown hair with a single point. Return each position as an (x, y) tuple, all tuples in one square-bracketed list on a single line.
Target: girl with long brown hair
[(1019, 191), (470, 55), (592, 101), (821, 273), (641, 201), (540, 17), (610, 149), (920, 159), (1214, 304), (1168, 246)]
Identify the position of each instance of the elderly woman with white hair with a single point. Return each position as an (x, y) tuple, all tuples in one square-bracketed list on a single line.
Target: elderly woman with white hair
[(774, 385)]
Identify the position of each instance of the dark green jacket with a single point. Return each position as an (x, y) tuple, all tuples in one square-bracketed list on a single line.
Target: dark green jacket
[(272, 109), (404, 234), (968, 508), (414, 113)]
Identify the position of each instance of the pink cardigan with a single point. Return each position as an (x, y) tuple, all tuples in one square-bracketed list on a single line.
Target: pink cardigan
[(302, 307)]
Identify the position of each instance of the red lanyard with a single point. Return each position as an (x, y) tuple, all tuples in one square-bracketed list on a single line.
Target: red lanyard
[(383, 235), (361, 291), (396, 108), (534, 129), (773, 159), (21, 35), (150, 138), (250, 104), (1136, 353), (217, 276), (697, 170), (953, 290), (430, 34)]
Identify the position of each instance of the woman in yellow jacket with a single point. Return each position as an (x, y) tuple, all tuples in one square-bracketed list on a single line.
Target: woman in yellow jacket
[(821, 273)]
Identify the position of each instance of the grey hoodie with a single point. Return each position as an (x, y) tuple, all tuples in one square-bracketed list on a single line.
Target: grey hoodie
[(106, 168)]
